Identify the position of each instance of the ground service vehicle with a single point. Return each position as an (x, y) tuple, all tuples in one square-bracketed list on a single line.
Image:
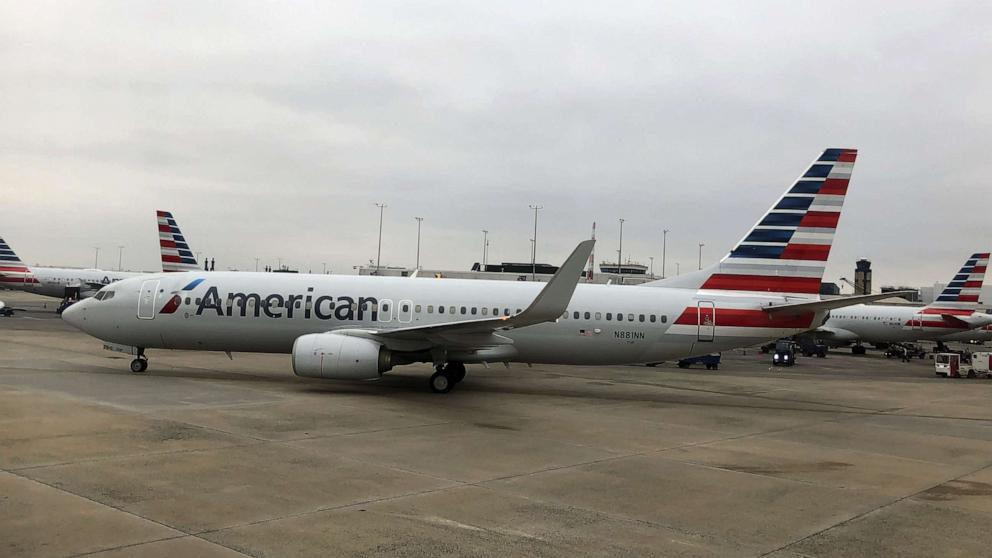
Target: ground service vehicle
[(785, 353), (712, 361)]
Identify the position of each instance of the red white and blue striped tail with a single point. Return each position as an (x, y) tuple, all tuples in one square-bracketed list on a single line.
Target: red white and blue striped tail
[(966, 286), (12, 269), (786, 251), (176, 255)]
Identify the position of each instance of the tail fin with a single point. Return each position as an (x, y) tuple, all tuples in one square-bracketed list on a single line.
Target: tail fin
[(786, 251), (12, 269), (176, 255), (965, 287)]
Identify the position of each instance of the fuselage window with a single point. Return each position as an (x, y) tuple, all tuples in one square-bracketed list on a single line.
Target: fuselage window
[(198, 302), (485, 311), (640, 317), (463, 309), (495, 311), (619, 316), (406, 307), (653, 318), (599, 315), (587, 316), (187, 300), (506, 311), (575, 315), (630, 317), (416, 308), (609, 316), (385, 307), (474, 310), (430, 308), (664, 319)]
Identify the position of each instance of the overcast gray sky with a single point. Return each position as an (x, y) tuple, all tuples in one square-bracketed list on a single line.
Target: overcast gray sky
[(271, 129)]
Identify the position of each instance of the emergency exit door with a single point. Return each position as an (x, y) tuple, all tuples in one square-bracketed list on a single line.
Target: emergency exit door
[(146, 300), (706, 314)]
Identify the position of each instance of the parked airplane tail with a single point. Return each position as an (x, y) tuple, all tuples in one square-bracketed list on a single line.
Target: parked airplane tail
[(12, 269), (786, 251), (176, 255), (965, 287)]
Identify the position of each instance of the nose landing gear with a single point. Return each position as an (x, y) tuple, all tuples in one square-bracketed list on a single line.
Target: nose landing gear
[(446, 376), (140, 363)]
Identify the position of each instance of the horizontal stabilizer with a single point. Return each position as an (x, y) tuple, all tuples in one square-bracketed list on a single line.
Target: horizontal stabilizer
[(829, 304), (971, 322)]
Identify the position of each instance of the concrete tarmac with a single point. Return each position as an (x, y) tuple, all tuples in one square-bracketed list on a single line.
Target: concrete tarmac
[(205, 456)]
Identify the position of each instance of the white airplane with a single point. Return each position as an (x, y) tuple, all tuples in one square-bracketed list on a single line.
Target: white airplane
[(981, 335), (955, 311), (57, 282), (68, 283), (358, 327)]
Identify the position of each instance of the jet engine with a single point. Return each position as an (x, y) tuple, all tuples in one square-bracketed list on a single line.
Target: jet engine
[(341, 357)]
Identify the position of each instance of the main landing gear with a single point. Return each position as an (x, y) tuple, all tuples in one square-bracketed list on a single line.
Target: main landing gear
[(446, 376), (139, 364)]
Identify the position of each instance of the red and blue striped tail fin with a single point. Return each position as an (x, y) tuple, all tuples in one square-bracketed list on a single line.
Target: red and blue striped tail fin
[(966, 286), (176, 254), (786, 251), (12, 269)]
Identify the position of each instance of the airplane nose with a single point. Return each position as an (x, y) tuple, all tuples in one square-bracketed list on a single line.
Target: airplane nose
[(75, 315)]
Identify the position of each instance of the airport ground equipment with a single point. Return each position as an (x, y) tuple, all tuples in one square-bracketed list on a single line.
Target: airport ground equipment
[(785, 353), (947, 365), (905, 350), (711, 361)]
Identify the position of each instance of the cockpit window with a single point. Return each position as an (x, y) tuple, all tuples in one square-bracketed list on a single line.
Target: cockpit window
[(104, 295), (100, 295)]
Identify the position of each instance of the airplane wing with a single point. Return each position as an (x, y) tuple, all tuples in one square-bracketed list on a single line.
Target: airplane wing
[(548, 306), (829, 304)]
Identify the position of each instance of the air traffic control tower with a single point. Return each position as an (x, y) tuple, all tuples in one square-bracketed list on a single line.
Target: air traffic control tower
[(862, 277)]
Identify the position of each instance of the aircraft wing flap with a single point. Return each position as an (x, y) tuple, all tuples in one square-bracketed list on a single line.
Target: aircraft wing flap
[(829, 304)]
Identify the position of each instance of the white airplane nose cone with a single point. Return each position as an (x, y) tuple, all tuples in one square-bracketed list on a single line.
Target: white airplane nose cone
[(75, 315)]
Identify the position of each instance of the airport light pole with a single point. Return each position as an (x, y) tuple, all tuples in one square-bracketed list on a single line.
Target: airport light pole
[(120, 258), (652, 265), (324, 271), (677, 271), (256, 264), (419, 221), (533, 253), (664, 246), (96, 258), (620, 250), (701, 255), (485, 247), (378, 252)]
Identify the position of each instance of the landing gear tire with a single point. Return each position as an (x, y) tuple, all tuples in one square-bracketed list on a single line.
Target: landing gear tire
[(139, 365), (441, 382)]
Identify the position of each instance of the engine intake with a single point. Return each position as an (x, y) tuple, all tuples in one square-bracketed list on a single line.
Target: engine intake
[(341, 357)]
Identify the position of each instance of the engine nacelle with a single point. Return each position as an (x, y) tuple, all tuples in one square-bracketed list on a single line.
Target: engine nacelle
[(342, 357)]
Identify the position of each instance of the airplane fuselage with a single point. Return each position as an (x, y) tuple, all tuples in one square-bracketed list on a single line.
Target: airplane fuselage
[(263, 312), (890, 324)]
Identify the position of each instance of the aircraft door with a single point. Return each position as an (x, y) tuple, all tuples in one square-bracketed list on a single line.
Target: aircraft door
[(146, 300), (706, 313), (404, 313), (916, 322)]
